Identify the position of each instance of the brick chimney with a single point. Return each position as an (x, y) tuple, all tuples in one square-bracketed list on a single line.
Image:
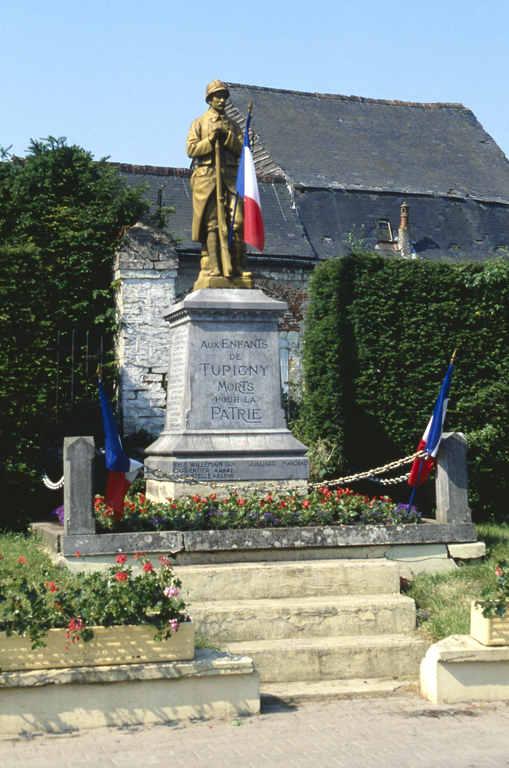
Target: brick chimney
[(404, 234)]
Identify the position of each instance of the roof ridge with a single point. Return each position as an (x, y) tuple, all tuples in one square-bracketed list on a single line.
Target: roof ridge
[(153, 170), (158, 170), (361, 99)]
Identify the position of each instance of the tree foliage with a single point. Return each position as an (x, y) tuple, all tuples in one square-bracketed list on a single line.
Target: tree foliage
[(62, 216), (74, 210), (380, 332)]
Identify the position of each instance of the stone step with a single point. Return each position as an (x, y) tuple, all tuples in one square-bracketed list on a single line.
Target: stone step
[(294, 617), (305, 578), (286, 694), (334, 658)]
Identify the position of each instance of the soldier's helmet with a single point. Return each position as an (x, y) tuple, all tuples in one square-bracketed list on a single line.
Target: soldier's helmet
[(214, 87)]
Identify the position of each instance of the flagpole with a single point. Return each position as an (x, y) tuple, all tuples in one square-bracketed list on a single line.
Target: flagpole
[(415, 486), (250, 107)]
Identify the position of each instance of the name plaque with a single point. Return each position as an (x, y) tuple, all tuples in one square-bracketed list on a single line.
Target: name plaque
[(240, 469)]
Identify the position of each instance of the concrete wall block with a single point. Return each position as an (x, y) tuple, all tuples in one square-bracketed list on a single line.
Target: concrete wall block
[(452, 480), (79, 453)]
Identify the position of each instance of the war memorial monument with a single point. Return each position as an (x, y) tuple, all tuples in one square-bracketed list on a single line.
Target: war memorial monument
[(225, 423)]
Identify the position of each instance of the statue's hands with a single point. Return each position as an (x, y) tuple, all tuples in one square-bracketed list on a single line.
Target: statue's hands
[(218, 133)]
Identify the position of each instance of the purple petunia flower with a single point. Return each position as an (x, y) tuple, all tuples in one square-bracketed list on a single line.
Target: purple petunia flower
[(58, 515)]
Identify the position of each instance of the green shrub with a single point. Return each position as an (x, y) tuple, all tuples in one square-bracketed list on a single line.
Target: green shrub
[(379, 335)]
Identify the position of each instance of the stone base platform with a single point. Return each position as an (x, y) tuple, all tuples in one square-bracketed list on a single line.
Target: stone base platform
[(416, 548), (213, 685), (459, 669)]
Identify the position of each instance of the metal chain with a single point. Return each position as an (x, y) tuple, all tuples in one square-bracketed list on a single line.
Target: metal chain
[(389, 481), (367, 475), (172, 477), (52, 486)]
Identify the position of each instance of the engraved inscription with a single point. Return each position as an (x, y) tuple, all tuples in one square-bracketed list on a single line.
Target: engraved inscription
[(201, 470), (176, 378), (235, 372)]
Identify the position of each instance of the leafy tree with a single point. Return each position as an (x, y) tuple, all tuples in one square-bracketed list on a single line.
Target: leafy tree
[(62, 216), (75, 211)]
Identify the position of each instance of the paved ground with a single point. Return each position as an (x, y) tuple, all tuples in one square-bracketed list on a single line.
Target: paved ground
[(402, 731)]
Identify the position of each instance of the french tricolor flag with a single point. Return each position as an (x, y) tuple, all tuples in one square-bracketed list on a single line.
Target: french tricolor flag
[(123, 470), (430, 441), (247, 187)]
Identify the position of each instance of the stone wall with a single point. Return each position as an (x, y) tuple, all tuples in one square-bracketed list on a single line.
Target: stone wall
[(146, 268), (152, 276)]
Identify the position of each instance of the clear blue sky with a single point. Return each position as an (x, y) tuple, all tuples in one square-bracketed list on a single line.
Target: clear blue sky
[(126, 79)]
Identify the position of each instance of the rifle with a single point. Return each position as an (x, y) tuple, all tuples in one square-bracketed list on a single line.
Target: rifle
[(226, 261)]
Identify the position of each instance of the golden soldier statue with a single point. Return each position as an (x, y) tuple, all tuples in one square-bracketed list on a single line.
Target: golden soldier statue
[(215, 144)]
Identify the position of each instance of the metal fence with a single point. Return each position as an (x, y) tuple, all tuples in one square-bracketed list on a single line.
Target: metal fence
[(76, 355)]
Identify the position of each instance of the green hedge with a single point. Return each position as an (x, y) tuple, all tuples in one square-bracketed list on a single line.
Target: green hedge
[(379, 336)]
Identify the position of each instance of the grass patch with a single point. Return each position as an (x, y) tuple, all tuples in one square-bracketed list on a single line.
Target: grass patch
[(446, 597), (203, 642), (39, 565)]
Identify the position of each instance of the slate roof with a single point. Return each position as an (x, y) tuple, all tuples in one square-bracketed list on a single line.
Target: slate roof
[(284, 234), (330, 165), (440, 228), (347, 142)]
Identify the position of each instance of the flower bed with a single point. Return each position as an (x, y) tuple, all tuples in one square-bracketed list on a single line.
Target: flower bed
[(78, 602), (321, 507)]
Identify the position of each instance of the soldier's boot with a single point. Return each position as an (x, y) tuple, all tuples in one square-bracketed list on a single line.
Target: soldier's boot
[(213, 251), (239, 255)]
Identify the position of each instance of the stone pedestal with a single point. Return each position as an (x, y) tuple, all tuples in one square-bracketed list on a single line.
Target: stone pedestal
[(452, 480), (79, 453), (225, 425)]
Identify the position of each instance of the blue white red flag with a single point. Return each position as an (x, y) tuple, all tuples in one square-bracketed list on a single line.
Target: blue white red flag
[(247, 187), (430, 441), (123, 470)]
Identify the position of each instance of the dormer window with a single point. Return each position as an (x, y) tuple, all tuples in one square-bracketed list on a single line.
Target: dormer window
[(384, 231)]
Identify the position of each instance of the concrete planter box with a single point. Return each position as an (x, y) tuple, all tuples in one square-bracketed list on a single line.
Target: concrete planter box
[(110, 646), (492, 632)]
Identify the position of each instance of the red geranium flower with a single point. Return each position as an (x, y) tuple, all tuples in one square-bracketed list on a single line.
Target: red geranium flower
[(148, 567), (121, 576)]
